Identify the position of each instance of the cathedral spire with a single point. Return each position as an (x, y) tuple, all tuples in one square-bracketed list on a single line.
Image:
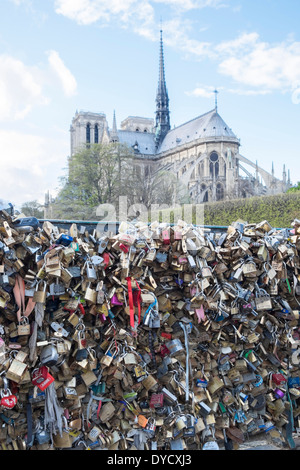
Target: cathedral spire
[(284, 174), (162, 123), (216, 100), (114, 132)]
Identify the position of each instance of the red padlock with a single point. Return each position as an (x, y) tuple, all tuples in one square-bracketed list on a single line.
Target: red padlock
[(7, 399), (81, 308), (124, 248), (278, 379), (157, 400), (164, 351), (41, 378), (166, 335), (166, 237)]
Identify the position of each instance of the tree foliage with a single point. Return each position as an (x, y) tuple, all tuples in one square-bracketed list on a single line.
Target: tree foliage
[(101, 173), (295, 188), (33, 209), (279, 210)]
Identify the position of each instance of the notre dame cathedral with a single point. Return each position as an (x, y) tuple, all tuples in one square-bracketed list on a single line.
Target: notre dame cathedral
[(203, 153)]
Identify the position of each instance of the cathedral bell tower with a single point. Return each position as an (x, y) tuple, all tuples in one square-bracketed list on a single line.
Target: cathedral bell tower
[(162, 119)]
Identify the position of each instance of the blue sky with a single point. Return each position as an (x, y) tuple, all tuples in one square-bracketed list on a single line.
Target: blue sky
[(59, 56)]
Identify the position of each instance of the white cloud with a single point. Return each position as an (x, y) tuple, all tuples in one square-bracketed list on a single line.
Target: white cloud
[(192, 4), (201, 92), (264, 65), (90, 11), (32, 165), (136, 14), (20, 89), (241, 43), (18, 2), (257, 67), (66, 78), (246, 59)]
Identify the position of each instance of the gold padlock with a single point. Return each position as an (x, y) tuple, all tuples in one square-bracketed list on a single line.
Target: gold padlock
[(106, 360), (40, 295), (23, 327)]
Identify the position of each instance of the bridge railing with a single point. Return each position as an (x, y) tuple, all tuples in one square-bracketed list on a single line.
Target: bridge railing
[(104, 226)]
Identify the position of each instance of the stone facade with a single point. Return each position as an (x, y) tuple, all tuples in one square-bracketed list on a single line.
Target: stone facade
[(204, 153)]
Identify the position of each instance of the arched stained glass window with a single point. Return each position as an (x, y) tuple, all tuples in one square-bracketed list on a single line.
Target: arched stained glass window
[(88, 133), (214, 165)]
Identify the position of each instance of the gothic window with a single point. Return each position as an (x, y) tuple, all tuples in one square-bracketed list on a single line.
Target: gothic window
[(219, 192), (96, 134), (204, 193), (137, 130), (88, 133), (145, 130), (229, 157), (200, 169), (214, 165)]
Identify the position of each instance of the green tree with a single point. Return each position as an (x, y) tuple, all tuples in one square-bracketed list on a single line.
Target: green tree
[(33, 209), (295, 188), (100, 173)]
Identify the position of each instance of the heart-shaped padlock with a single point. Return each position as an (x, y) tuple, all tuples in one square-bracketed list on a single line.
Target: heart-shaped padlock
[(7, 399)]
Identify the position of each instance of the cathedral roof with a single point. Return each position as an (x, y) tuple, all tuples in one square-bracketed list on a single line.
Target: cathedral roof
[(205, 126), (145, 141)]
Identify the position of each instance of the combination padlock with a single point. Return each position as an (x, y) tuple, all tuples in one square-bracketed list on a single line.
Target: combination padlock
[(151, 425)]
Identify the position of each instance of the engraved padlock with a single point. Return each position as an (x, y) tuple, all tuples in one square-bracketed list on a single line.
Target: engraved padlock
[(102, 244), (23, 327)]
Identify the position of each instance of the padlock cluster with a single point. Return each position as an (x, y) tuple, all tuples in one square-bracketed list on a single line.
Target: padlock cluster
[(158, 337)]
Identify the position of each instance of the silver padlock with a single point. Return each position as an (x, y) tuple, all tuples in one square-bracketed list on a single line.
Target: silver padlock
[(49, 355), (5, 278), (56, 288), (91, 274), (154, 319), (191, 261), (102, 244), (59, 330), (97, 260)]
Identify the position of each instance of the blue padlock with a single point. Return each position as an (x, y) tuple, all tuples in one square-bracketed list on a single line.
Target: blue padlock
[(64, 240)]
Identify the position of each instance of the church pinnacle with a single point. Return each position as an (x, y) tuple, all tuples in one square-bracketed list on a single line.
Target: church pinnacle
[(114, 132), (162, 123)]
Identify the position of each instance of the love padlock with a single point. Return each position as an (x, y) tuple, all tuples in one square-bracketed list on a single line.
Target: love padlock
[(7, 399), (41, 378)]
